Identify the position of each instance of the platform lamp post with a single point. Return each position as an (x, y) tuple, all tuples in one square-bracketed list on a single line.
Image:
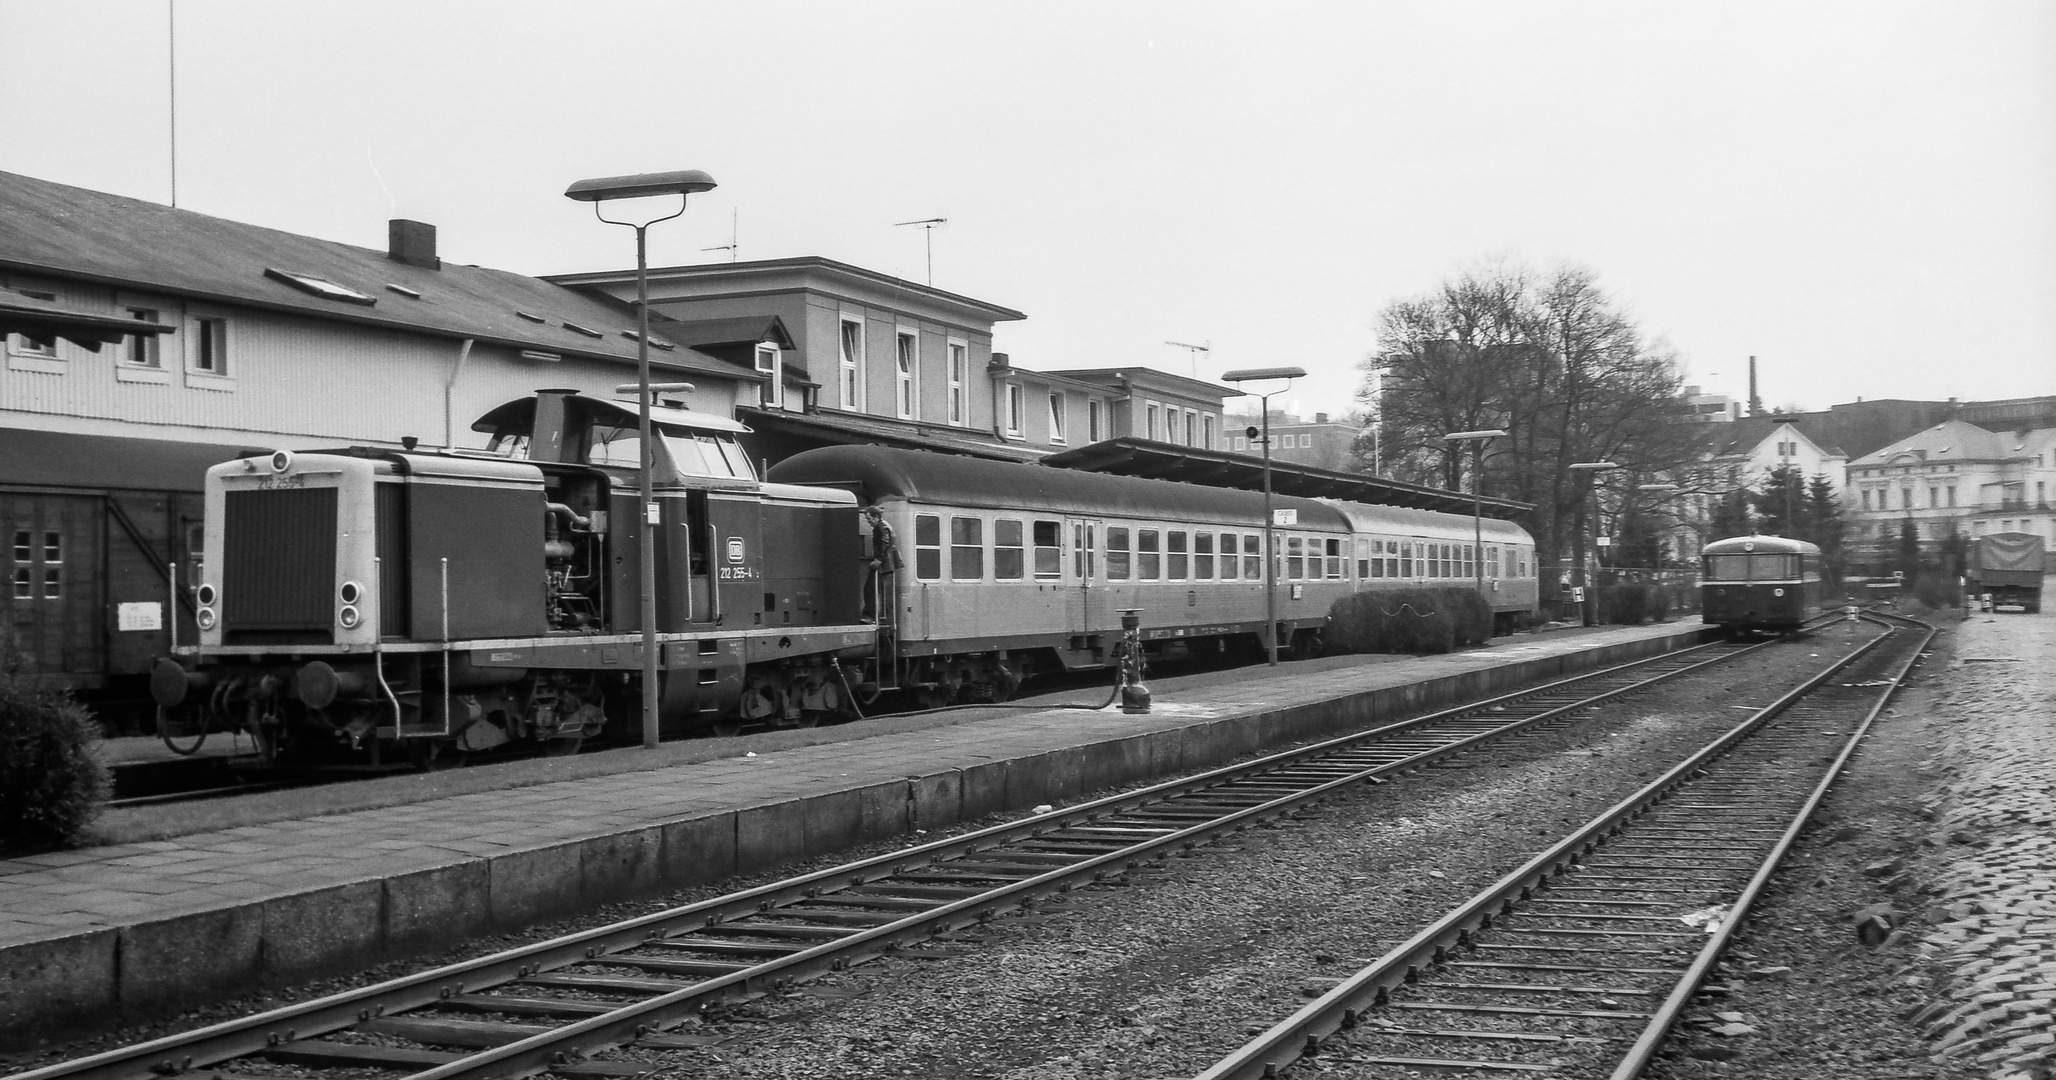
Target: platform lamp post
[(1589, 610), (1238, 377), (607, 189), (1477, 439)]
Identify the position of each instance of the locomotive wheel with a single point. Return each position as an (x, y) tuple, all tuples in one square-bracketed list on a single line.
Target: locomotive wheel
[(728, 727), (933, 697), (563, 747)]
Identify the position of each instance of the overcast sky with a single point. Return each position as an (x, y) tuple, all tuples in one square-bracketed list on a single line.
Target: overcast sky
[(1861, 194)]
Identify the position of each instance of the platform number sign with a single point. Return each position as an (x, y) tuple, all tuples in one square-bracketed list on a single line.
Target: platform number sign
[(1285, 517)]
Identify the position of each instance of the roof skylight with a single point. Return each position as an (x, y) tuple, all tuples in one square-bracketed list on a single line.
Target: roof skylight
[(577, 329), (322, 287), (403, 290)]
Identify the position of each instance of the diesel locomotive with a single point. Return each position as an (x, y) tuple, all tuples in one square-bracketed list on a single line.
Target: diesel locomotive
[(1751, 584), (373, 602)]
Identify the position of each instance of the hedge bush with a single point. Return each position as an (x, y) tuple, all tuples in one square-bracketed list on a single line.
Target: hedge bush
[(52, 783), (1633, 603), (1408, 621)]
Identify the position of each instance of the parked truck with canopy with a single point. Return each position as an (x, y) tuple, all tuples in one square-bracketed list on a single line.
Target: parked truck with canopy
[(2006, 568)]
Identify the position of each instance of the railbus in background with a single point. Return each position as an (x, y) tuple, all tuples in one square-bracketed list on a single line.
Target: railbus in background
[(1752, 584)]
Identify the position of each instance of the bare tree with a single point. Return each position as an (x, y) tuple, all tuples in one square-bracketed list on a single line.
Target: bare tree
[(1553, 361)]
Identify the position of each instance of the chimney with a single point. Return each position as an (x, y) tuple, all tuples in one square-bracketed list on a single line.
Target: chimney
[(412, 242), (1320, 418), (1001, 361), (1755, 402)]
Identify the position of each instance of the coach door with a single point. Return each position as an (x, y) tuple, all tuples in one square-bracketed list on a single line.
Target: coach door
[(1087, 610)]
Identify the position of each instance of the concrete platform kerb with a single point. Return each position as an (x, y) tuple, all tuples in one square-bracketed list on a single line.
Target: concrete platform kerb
[(132, 933)]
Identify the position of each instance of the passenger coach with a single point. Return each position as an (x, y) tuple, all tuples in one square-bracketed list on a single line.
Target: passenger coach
[(1759, 583)]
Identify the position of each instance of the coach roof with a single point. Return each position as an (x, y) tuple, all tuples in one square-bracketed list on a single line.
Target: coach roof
[(878, 473)]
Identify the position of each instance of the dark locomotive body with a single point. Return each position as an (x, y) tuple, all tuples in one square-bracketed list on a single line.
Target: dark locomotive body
[(376, 601), (1751, 584)]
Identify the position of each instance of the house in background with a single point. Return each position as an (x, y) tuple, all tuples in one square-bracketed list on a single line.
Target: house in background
[(1953, 478), (1321, 442)]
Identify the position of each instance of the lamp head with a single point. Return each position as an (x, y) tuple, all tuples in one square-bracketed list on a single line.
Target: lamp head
[(1459, 436), (603, 188), (1255, 374)]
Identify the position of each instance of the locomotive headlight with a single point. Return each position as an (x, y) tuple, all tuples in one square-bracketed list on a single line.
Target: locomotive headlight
[(281, 460), (1777, 592), (349, 617), (350, 593), (205, 594), (205, 617)]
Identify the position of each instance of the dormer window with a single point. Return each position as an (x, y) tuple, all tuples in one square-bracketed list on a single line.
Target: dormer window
[(772, 394), (321, 287)]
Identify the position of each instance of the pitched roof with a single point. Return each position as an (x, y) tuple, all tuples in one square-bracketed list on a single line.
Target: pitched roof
[(1950, 440), (70, 232)]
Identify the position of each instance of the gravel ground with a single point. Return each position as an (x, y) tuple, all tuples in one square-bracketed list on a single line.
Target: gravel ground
[(1160, 976)]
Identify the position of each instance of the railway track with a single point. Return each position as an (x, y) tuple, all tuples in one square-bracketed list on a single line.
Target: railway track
[(1580, 962), (608, 1001)]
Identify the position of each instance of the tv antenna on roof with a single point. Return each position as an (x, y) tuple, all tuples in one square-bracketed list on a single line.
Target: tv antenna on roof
[(1194, 351), (729, 247), (928, 230)]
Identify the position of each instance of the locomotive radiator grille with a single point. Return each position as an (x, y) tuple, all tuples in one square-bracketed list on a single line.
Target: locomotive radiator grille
[(279, 561)]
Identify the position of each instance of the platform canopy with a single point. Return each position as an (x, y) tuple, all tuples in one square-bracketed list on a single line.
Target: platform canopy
[(1129, 456)]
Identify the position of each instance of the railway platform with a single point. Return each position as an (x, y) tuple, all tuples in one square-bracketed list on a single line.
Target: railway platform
[(129, 933)]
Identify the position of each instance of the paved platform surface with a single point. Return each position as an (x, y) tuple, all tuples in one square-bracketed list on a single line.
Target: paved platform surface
[(1996, 941), (182, 919)]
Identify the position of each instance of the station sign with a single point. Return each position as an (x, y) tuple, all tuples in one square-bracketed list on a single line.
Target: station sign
[(1285, 517)]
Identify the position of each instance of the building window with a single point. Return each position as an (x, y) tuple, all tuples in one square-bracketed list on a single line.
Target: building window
[(1952, 492), (1056, 416), (1015, 407), (906, 358), (1866, 498), (142, 348), (209, 354), (852, 383), (1191, 428), (772, 393), (1049, 551), (927, 547), (959, 364), (1207, 429), (1008, 556), (1154, 411), (1095, 422)]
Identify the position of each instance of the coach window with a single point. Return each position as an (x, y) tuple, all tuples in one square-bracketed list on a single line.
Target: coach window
[(1334, 557), (927, 547), (1007, 552), (1295, 558), (1049, 550), (1252, 557), (1363, 558), (1406, 559), (966, 549), (1149, 560), (1228, 556), (1118, 566), (1174, 547), (1203, 556)]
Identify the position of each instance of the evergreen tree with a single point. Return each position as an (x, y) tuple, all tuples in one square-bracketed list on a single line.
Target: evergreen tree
[(1778, 503), (1825, 526), (1730, 516), (1909, 548)]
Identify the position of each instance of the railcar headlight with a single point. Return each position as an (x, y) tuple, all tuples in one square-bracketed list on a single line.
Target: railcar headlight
[(350, 593), (1777, 592), (205, 617), (205, 594), (349, 617)]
